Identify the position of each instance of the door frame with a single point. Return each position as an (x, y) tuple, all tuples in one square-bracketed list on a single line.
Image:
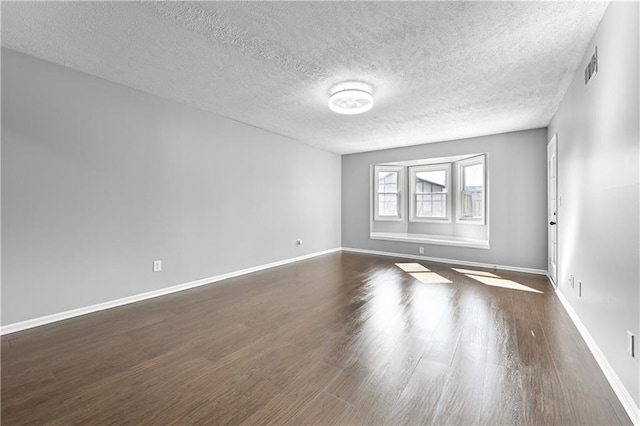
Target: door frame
[(552, 210)]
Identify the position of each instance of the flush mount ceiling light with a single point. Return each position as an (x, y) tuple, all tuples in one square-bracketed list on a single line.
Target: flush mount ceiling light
[(350, 97)]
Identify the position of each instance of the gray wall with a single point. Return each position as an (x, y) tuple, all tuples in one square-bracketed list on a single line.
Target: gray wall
[(598, 222), (517, 198), (99, 180)]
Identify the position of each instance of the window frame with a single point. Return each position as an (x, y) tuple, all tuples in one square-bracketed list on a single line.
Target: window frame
[(460, 165), (400, 185), (413, 194)]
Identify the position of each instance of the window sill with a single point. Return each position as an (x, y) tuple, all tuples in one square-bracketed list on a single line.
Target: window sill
[(414, 220), (441, 240), (471, 222), (388, 219)]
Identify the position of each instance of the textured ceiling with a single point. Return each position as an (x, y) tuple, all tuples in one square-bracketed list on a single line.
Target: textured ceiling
[(439, 70)]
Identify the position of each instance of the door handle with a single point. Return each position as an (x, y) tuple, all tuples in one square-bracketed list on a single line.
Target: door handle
[(552, 223)]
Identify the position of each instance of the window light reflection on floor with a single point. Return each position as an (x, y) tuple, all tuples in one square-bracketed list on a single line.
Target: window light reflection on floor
[(422, 274), (425, 276), (478, 273), (430, 278), (501, 282), (495, 281), (412, 267)]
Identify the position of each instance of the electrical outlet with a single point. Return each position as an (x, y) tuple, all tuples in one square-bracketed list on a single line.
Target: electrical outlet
[(631, 343), (579, 288), (571, 281), (157, 265), (421, 250), (299, 242)]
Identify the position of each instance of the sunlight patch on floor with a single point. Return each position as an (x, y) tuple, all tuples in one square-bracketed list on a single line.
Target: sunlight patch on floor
[(412, 267), (501, 282), (472, 272), (494, 280), (430, 278)]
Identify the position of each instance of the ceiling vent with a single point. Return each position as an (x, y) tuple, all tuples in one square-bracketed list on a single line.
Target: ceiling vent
[(592, 67)]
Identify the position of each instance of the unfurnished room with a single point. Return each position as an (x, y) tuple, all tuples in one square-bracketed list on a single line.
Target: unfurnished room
[(333, 213)]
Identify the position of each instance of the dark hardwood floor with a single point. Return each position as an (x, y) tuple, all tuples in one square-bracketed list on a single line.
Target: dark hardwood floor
[(343, 338)]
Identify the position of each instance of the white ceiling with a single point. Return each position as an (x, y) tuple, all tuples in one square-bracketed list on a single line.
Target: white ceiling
[(440, 70)]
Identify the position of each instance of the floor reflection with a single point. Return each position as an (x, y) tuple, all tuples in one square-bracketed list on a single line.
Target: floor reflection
[(412, 267), (494, 280), (501, 282), (473, 272), (422, 274), (430, 278)]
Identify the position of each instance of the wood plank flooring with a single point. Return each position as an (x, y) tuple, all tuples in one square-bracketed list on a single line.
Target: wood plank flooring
[(343, 338)]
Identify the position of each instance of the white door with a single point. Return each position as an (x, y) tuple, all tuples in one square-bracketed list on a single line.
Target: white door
[(552, 210)]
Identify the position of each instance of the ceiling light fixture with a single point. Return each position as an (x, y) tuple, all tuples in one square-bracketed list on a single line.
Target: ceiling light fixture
[(350, 97)]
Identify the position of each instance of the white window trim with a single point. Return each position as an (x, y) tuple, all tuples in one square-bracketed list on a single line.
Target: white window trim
[(460, 165), (401, 203), (412, 193)]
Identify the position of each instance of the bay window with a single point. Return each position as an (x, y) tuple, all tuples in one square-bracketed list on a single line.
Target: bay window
[(446, 198)]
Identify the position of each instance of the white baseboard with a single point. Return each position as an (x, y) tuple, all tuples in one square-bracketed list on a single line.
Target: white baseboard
[(449, 261), (47, 319), (618, 387)]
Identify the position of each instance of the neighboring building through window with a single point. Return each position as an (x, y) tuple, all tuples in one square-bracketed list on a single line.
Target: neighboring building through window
[(429, 193)]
